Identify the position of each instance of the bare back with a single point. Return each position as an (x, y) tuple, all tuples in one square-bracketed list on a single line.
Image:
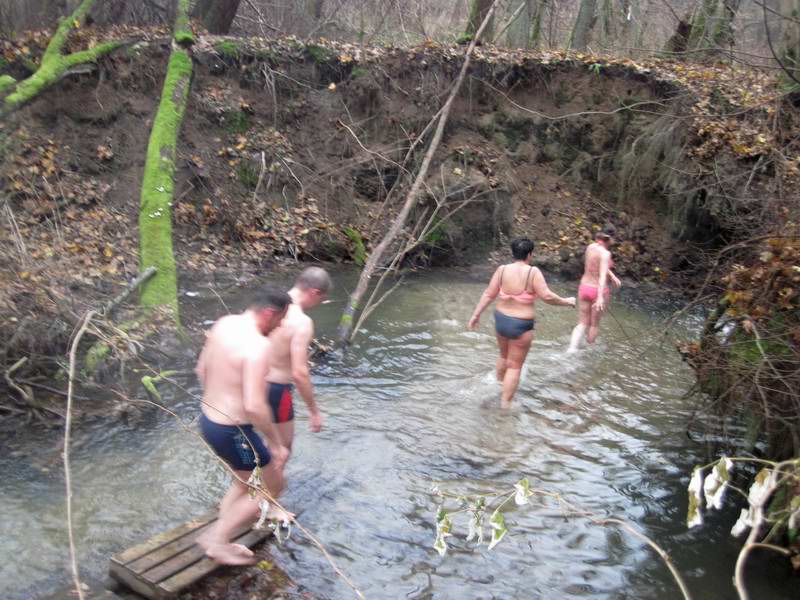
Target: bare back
[(231, 342), (517, 281), (592, 260), (296, 329)]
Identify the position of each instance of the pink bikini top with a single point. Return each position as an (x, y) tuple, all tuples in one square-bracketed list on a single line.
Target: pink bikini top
[(523, 297)]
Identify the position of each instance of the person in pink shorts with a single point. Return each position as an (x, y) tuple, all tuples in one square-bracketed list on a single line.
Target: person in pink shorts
[(593, 292)]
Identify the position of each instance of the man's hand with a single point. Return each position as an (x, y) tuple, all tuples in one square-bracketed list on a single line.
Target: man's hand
[(315, 421), (570, 301)]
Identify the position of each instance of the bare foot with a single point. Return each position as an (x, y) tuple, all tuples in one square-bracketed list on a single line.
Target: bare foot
[(230, 554)]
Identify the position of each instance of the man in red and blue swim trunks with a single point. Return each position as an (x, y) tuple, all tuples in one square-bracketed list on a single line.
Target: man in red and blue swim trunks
[(288, 354)]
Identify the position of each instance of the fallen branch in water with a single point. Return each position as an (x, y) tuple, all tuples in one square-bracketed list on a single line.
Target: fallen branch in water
[(477, 506), (12, 384), (143, 277), (375, 257)]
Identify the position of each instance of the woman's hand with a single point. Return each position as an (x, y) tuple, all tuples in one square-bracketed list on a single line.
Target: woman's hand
[(600, 304), (473, 323), (615, 280)]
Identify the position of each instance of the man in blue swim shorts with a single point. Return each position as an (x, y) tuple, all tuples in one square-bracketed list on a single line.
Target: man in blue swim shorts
[(232, 369)]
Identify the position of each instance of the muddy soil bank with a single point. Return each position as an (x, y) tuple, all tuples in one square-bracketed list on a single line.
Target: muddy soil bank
[(302, 151)]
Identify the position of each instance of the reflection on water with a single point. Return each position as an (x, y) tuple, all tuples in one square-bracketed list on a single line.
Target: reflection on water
[(412, 404)]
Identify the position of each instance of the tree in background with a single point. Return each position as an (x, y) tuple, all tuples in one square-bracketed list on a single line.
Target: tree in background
[(790, 42), (712, 25), (54, 64), (477, 13), (584, 23), (155, 210), (216, 15)]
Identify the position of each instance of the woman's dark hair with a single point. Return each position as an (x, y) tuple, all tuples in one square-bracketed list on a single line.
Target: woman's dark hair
[(606, 233), (521, 248)]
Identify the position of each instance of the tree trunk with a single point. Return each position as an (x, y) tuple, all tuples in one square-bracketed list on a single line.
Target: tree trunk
[(712, 26), (216, 15), (790, 42), (314, 9), (535, 41), (518, 32), (155, 213), (477, 14), (54, 64), (584, 23), (375, 257)]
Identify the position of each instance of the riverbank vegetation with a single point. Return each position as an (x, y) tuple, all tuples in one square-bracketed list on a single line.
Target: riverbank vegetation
[(306, 131)]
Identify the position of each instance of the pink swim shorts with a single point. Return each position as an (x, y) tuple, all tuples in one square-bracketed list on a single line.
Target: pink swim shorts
[(589, 292)]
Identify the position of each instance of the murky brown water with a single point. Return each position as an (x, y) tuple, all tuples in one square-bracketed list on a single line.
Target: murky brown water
[(411, 405)]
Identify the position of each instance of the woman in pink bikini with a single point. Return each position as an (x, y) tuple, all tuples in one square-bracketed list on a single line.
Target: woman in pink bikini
[(519, 285), (593, 292)]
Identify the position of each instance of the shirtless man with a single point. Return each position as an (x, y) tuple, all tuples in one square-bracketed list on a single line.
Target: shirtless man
[(593, 293), (233, 369), (288, 355)]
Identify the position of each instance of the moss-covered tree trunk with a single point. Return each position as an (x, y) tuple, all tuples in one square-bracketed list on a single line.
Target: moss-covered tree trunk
[(216, 15), (518, 32), (54, 64), (155, 211), (584, 23)]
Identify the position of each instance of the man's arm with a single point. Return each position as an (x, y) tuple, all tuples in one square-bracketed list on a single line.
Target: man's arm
[(200, 367), (257, 409), (301, 375)]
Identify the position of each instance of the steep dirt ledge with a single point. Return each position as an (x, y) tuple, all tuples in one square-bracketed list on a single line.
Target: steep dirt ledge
[(289, 150)]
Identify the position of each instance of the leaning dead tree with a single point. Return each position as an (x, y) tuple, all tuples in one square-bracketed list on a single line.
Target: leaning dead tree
[(155, 210), (376, 257), (55, 64)]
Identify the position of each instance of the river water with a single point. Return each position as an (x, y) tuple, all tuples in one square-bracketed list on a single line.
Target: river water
[(413, 405)]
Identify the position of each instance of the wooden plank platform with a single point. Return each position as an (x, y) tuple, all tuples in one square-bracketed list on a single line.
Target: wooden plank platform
[(168, 563)]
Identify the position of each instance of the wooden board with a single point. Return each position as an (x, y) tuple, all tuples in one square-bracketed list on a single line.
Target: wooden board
[(168, 563)]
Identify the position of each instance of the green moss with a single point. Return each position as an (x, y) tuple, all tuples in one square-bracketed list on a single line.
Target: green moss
[(464, 38), (247, 176), (358, 72), (265, 55), (228, 49), (6, 81), (319, 54), (52, 67), (183, 30), (236, 122), (360, 251), (95, 357), (155, 218)]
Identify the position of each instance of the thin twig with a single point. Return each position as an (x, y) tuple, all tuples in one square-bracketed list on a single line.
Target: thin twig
[(67, 430)]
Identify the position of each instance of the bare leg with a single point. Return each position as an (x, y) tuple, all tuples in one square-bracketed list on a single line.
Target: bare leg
[(234, 492), (517, 351), (501, 365), (584, 320), (239, 510), (286, 431), (594, 324)]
